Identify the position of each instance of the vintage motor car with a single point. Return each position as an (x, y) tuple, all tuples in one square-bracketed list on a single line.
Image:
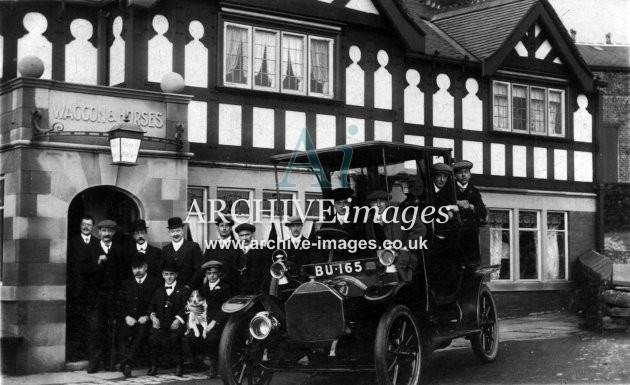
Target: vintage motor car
[(352, 311)]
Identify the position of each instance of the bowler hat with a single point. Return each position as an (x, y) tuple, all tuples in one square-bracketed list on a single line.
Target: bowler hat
[(377, 194), (139, 225), (245, 227), (462, 164), (170, 266), (342, 193), (138, 260), (214, 264), (224, 219), (106, 224), (294, 220), (441, 168), (175, 222)]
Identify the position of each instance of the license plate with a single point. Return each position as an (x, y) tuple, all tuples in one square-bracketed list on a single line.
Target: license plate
[(338, 268)]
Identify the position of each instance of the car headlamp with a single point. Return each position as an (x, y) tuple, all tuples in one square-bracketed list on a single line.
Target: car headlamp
[(387, 257), (262, 325), (278, 269)]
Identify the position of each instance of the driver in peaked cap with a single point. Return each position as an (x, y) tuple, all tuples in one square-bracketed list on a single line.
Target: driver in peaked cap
[(472, 209)]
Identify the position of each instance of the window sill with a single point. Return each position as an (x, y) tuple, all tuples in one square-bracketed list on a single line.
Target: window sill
[(498, 286), (512, 134), (278, 95)]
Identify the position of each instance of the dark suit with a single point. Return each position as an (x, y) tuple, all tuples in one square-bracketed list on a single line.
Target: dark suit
[(79, 289), (188, 259), (214, 298), (253, 269), (133, 301), (228, 257), (153, 256), (166, 309), (472, 219), (302, 256)]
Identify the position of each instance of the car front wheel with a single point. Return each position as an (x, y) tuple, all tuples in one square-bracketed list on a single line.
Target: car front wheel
[(240, 355), (397, 349), (485, 344)]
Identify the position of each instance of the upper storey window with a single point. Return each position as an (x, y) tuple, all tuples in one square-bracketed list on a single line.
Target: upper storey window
[(279, 61), (528, 109)]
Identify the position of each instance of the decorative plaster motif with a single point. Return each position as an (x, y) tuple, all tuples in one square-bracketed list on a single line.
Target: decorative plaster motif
[(382, 83), (472, 106), (443, 104), (160, 51), (34, 43), (355, 82), (196, 59), (582, 121), (117, 54), (414, 99), (81, 54)]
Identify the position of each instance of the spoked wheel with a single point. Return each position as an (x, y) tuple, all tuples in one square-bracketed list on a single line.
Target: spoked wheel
[(397, 349), (485, 344), (240, 355)]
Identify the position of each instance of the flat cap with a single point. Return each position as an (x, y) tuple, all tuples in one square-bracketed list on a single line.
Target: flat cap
[(224, 219), (107, 223), (441, 168), (462, 164), (342, 193), (214, 264), (377, 194), (245, 227), (294, 220)]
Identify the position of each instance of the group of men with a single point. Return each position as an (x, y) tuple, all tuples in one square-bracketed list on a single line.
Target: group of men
[(145, 289)]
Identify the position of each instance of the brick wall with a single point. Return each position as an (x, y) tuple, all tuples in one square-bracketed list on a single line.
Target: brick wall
[(616, 113)]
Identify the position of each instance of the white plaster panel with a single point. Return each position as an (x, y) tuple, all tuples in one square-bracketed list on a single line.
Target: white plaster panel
[(519, 161), (583, 166), (582, 121), (536, 30), (295, 123), (543, 50), (497, 159), (117, 54), (413, 139), (51, 206), (472, 107), (540, 162), (80, 56), (326, 130), (443, 104), (34, 43), (473, 152), (230, 125), (355, 130), (196, 57), (382, 83), (445, 143), (1, 54), (363, 6), (160, 57), (197, 121), (539, 201), (382, 130), (414, 99), (520, 49), (560, 164), (355, 79), (557, 60), (263, 122)]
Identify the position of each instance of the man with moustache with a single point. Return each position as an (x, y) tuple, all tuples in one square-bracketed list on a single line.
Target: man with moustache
[(185, 254), (134, 298), (82, 249), (152, 254), (253, 263)]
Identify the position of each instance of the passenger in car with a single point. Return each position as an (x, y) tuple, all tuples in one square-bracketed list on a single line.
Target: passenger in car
[(471, 208), (388, 225), (343, 217)]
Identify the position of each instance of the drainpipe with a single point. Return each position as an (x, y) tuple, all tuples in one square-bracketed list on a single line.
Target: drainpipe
[(599, 166)]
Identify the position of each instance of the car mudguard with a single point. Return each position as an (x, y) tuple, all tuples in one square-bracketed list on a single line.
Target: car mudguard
[(469, 298), (243, 303), (401, 291)]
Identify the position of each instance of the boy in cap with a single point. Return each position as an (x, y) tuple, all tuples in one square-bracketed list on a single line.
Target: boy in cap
[(134, 298), (185, 254), (166, 313), (215, 291), (472, 209), (252, 263), (224, 250)]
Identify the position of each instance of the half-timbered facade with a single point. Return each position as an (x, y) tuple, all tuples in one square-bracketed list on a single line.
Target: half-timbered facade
[(500, 82)]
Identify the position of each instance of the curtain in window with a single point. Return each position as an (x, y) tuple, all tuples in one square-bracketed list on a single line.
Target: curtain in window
[(537, 110), (264, 58), (292, 62), (499, 223), (555, 246), (528, 245), (319, 66), (236, 65), (555, 112), (500, 106), (519, 108)]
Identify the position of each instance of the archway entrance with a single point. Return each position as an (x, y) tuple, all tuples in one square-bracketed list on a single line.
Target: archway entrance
[(101, 202)]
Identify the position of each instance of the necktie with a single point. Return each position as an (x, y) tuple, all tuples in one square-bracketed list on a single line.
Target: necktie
[(86, 240), (139, 281), (169, 287)]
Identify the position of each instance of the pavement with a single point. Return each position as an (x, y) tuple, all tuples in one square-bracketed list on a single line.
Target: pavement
[(540, 348)]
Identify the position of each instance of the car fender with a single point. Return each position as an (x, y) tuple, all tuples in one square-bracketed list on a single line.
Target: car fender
[(470, 295), (388, 292), (243, 303)]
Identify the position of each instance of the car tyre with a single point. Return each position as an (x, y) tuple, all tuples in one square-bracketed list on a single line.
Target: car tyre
[(398, 348), (485, 344), (240, 354)]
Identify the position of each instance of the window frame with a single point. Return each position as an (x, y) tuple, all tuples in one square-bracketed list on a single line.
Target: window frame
[(203, 207), (508, 87), (566, 243), (248, 84), (331, 63), (250, 197), (511, 108), (510, 231), (562, 110), (277, 58), (278, 212), (305, 67)]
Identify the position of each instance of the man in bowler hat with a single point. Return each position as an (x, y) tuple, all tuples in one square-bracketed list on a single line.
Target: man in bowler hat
[(185, 254), (152, 254)]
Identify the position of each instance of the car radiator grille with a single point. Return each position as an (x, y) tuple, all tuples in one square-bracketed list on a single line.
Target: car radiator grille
[(315, 313)]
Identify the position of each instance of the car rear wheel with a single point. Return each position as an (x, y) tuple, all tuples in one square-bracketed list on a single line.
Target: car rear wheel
[(240, 355), (485, 344), (397, 349)]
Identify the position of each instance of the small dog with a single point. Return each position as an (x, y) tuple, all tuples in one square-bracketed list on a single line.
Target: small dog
[(196, 309)]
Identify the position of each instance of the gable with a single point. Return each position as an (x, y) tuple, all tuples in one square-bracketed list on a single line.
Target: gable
[(365, 6)]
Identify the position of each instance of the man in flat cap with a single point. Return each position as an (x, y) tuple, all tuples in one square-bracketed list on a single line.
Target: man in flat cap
[(152, 254), (384, 225), (215, 291), (134, 297), (295, 247), (185, 254), (167, 314), (224, 250), (252, 263), (472, 209)]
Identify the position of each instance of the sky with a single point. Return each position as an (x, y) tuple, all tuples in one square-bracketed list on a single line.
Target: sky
[(592, 19)]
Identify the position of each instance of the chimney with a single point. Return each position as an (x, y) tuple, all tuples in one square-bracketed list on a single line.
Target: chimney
[(608, 35), (573, 33)]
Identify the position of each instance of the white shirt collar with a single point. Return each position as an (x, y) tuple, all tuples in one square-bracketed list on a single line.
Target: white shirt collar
[(86, 238), (224, 241), (105, 247), (172, 284), (214, 284), (142, 279), (141, 247), (342, 218), (296, 239), (437, 189), (177, 245), (462, 186)]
